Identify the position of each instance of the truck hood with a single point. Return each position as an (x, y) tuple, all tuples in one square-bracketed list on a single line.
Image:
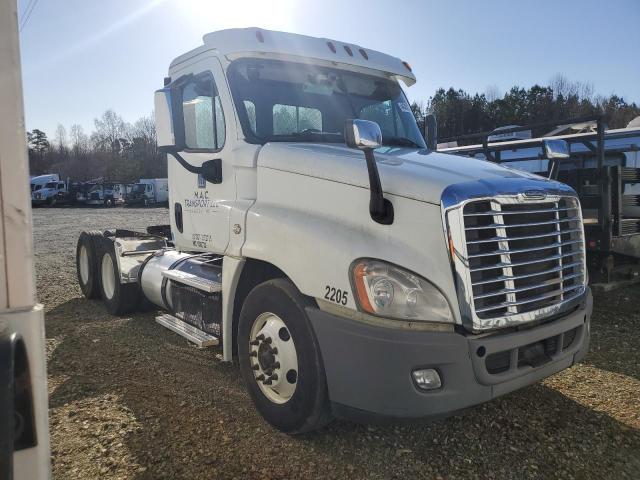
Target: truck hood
[(417, 174)]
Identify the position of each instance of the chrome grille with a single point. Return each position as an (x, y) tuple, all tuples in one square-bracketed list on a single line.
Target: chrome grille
[(520, 257)]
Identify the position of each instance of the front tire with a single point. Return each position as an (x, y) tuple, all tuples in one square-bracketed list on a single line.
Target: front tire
[(280, 358), (119, 298)]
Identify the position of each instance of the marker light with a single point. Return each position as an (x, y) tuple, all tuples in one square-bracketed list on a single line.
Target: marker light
[(388, 291)]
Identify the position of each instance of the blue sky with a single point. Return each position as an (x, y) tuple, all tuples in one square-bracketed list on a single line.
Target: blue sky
[(81, 57)]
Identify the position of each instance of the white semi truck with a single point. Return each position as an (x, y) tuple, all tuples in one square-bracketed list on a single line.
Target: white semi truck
[(38, 181), (352, 269), (50, 193)]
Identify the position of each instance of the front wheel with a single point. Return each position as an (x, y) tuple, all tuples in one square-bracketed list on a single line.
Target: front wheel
[(280, 359)]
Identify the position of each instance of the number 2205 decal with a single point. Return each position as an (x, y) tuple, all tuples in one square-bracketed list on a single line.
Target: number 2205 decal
[(336, 295)]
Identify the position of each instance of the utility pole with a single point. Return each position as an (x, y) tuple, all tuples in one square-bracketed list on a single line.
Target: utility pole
[(24, 431)]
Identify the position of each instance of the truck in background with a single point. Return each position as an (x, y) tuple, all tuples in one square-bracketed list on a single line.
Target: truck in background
[(39, 181), (50, 194), (602, 165), (107, 194), (351, 268), (149, 191)]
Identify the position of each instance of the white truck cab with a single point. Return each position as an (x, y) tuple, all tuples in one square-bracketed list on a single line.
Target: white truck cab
[(354, 271), (38, 181), (49, 193), (106, 194)]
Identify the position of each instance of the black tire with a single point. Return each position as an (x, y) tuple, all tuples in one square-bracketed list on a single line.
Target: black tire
[(90, 286), (119, 298), (108, 202), (308, 408)]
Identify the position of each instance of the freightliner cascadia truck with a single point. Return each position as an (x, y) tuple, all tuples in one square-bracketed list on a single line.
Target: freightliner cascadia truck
[(317, 237)]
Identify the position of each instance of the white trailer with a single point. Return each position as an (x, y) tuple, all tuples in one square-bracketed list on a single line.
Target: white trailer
[(149, 191), (24, 435), (352, 269)]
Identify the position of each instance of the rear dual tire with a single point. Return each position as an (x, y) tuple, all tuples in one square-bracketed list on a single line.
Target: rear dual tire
[(87, 266), (97, 271), (119, 298)]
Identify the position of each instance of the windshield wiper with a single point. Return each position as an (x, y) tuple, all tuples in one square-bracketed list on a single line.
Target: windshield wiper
[(400, 142)]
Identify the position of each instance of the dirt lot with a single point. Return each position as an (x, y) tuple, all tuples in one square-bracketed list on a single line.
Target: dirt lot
[(130, 399)]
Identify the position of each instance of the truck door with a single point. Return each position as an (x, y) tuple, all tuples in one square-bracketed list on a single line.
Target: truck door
[(200, 207)]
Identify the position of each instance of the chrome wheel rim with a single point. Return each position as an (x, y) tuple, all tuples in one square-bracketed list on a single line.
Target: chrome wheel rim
[(108, 276), (84, 264), (273, 358)]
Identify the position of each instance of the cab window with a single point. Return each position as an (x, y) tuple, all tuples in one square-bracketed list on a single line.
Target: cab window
[(288, 119), (204, 125)]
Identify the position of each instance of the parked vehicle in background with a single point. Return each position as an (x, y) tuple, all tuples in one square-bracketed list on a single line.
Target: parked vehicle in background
[(149, 191), (352, 269), (106, 194), (49, 194), (602, 166), (39, 181)]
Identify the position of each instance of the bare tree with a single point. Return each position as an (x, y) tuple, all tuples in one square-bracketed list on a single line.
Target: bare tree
[(79, 140), (60, 137), (492, 93), (110, 131)]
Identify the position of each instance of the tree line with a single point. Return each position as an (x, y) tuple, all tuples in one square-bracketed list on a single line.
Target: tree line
[(114, 150), (117, 150), (458, 112)]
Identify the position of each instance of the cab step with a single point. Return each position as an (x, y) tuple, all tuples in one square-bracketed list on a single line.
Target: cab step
[(194, 335), (204, 284)]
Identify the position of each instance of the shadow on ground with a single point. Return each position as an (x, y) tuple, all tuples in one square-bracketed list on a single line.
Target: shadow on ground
[(186, 415)]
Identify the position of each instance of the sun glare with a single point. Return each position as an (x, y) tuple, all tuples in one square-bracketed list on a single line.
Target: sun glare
[(210, 15)]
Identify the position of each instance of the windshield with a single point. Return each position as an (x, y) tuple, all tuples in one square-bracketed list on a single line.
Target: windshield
[(291, 102), (138, 188), (51, 185)]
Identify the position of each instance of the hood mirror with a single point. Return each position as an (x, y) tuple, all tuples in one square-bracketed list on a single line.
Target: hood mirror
[(366, 136), (555, 151), (362, 134)]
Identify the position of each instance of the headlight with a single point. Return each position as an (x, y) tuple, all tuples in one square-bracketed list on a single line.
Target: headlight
[(388, 291)]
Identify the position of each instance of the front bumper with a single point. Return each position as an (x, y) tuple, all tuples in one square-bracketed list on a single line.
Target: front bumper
[(368, 368)]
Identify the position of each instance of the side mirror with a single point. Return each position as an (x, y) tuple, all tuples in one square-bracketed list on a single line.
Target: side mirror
[(165, 125), (431, 131), (555, 151), (362, 134)]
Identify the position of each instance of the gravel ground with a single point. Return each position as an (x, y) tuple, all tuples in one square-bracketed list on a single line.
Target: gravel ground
[(130, 399)]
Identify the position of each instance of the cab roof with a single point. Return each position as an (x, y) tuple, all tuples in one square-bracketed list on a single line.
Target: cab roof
[(246, 42)]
